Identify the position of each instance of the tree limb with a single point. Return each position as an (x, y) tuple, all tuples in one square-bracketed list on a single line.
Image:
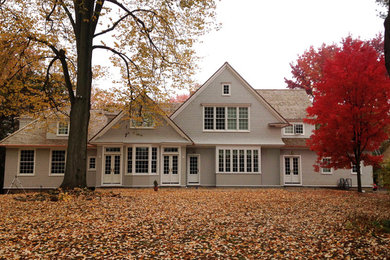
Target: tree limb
[(68, 13), (98, 9), (112, 27)]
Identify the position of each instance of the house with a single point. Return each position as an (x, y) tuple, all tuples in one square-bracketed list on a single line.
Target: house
[(226, 134)]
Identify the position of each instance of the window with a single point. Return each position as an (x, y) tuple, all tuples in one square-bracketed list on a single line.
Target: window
[(354, 169), (243, 160), (294, 129), (62, 128), (113, 150), (92, 163), (26, 165), (57, 162), (142, 160), (171, 150), (226, 118), (326, 170), (225, 89)]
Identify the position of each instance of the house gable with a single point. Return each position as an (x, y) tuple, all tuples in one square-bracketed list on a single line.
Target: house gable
[(262, 115)]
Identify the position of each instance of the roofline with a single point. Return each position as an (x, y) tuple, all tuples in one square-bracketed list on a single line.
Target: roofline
[(227, 65), (105, 128), (40, 145), (17, 131)]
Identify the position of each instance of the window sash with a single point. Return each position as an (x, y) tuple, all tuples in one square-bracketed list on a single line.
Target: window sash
[(92, 163), (142, 160), (326, 169), (58, 160), (63, 128), (27, 162)]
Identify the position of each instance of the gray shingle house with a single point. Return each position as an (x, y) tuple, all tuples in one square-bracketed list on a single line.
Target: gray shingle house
[(227, 134)]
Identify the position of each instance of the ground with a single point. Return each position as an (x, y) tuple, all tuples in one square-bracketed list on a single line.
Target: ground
[(197, 223)]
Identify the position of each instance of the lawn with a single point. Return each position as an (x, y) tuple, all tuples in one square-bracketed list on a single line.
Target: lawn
[(202, 223)]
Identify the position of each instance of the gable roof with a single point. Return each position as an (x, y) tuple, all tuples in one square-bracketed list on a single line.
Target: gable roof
[(224, 67), (110, 124), (291, 103)]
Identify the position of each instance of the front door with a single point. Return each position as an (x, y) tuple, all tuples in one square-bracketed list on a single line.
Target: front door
[(292, 170), (193, 169), (112, 172), (170, 170)]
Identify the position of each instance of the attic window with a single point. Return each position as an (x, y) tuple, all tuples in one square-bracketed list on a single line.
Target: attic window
[(62, 128), (225, 89), (146, 121)]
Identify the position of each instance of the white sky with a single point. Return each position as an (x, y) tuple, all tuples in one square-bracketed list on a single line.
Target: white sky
[(260, 38)]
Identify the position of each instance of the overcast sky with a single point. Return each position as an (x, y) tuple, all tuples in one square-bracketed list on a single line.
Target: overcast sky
[(260, 38)]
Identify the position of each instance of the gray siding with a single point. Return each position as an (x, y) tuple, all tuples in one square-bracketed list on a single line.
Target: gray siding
[(191, 118), (312, 178), (270, 166)]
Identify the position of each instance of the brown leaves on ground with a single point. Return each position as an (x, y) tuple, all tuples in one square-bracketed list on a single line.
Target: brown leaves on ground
[(198, 223)]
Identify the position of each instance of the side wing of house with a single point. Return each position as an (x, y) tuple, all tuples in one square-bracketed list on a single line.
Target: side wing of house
[(136, 156)]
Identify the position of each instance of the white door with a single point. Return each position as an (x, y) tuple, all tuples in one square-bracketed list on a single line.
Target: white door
[(291, 170), (112, 172), (193, 169), (170, 169)]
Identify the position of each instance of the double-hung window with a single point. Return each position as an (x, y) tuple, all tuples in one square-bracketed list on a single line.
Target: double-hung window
[(142, 160), (57, 166), (238, 160), (226, 118), (62, 128), (324, 169), (26, 162)]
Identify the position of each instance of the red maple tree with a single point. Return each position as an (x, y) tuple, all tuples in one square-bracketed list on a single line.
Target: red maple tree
[(351, 108), (308, 68)]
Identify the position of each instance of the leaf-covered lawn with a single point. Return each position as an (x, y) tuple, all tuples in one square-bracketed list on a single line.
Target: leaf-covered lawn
[(203, 223)]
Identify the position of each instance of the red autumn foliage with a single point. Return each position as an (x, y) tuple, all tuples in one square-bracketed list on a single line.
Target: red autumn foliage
[(308, 68), (351, 107), (179, 98)]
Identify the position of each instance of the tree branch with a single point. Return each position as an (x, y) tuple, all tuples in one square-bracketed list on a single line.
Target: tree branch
[(68, 13), (112, 27), (98, 9)]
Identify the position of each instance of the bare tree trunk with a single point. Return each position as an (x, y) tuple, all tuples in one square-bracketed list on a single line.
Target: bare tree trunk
[(387, 41), (359, 178), (76, 163)]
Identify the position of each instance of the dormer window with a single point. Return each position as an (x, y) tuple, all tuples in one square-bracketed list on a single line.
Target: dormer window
[(225, 89), (62, 128), (294, 129)]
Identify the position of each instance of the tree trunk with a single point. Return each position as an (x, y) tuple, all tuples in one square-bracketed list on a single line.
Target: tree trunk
[(76, 161), (387, 41), (359, 178)]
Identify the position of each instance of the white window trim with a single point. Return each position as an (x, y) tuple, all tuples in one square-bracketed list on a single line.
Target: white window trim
[(226, 119), (231, 159), (293, 125), (91, 169), (18, 166), (58, 128), (223, 87), (134, 146), (322, 169), (50, 159)]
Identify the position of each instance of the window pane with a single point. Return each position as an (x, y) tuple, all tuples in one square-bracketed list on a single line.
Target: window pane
[(255, 160), (235, 161), (249, 160), (209, 118), (298, 128), (171, 150), (63, 128), (154, 159), (326, 169), (242, 161), (113, 149), (26, 162), (227, 160), (142, 160), (243, 118), (58, 162), (220, 119), (289, 129), (129, 159), (220, 161), (232, 118), (226, 89), (92, 163)]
